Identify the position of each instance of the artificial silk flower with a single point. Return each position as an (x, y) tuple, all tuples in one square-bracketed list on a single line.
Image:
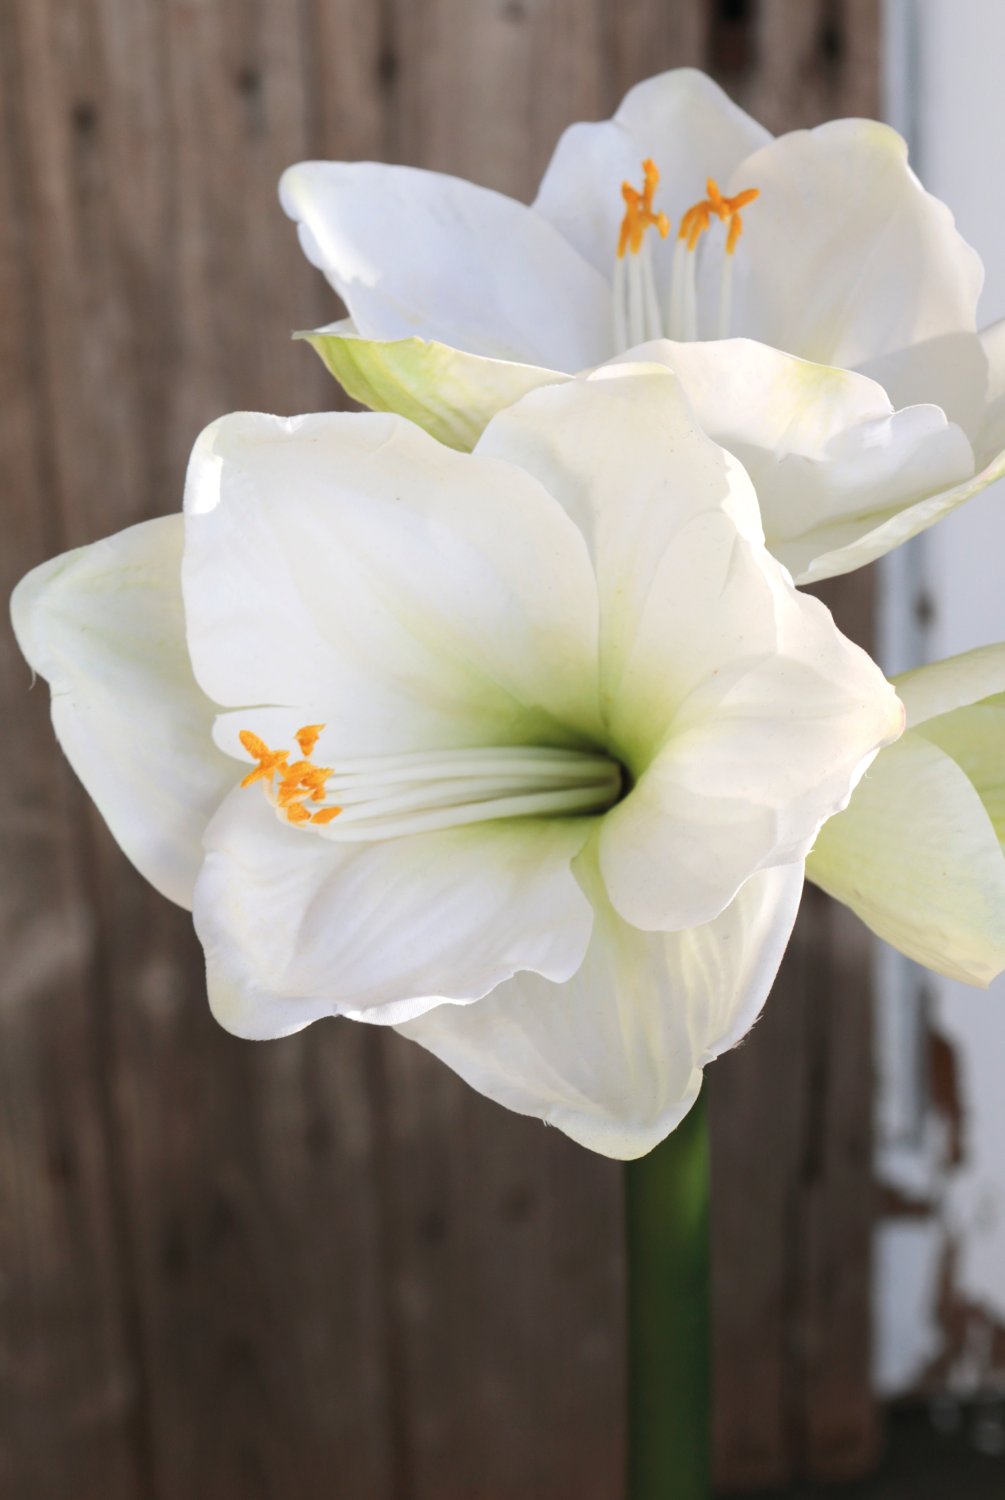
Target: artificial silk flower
[(518, 750), (682, 225), (919, 854)]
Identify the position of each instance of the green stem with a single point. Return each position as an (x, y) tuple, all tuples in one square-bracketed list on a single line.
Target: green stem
[(669, 1317)]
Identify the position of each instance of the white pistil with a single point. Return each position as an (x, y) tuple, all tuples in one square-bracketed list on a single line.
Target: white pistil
[(389, 796)]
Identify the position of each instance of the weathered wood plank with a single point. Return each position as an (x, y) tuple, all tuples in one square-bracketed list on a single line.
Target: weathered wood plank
[(68, 1371)]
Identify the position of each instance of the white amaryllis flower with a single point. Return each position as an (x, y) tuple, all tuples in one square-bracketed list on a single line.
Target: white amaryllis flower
[(518, 750), (919, 853), (683, 221)]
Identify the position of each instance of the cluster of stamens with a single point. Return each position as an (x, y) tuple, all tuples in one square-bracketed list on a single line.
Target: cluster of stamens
[(294, 783), (385, 796), (638, 315)]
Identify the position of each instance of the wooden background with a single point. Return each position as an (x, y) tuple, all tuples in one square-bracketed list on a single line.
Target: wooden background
[(322, 1267)]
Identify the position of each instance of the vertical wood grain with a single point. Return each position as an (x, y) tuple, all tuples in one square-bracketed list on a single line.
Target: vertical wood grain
[(69, 1372)]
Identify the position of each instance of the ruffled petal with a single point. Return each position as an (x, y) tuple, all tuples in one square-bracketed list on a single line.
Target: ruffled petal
[(408, 596), (840, 476), (104, 625), (419, 254), (613, 1057), (296, 928), (741, 712), (845, 257), (767, 743), (622, 452)]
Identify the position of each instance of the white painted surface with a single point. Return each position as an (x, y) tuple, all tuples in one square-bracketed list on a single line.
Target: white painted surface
[(945, 92), (908, 1257)]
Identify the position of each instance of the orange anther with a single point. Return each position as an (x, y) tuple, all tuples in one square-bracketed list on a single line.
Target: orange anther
[(269, 761), (307, 737), (326, 815), (297, 813), (699, 216), (742, 199), (639, 212), (254, 746)]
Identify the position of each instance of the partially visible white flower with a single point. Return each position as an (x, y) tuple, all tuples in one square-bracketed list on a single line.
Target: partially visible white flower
[(683, 220), (919, 853), (519, 750)]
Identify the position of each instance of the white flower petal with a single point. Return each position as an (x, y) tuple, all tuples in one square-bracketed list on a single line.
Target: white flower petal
[(682, 120), (831, 462), (950, 372), (990, 438), (410, 596), (105, 626), (449, 393), (416, 253), (916, 856), (760, 752), (767, 713), (954, 683), (846, 257), (623, 454), (613, 1057), (974, 737), (296, 927), (989, 411)]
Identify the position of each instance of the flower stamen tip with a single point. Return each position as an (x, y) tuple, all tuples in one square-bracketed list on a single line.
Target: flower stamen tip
[(698, 217), (639, 212), (307, 737)]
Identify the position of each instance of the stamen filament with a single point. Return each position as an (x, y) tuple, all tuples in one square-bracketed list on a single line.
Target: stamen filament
[(582, 800), (652, 323), (484, 792), (376, 797)]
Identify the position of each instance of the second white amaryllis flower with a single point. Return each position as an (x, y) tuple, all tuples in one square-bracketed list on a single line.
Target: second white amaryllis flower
[(520, 751), (802, 288)]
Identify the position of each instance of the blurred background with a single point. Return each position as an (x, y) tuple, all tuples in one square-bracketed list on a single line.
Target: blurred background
[(322, 1266)]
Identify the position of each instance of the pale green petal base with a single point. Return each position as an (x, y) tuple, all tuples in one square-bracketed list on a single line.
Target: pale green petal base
[(917, 857), (448, 392)]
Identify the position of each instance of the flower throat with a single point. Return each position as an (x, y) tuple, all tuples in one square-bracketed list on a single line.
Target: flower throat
[(386, 796)]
